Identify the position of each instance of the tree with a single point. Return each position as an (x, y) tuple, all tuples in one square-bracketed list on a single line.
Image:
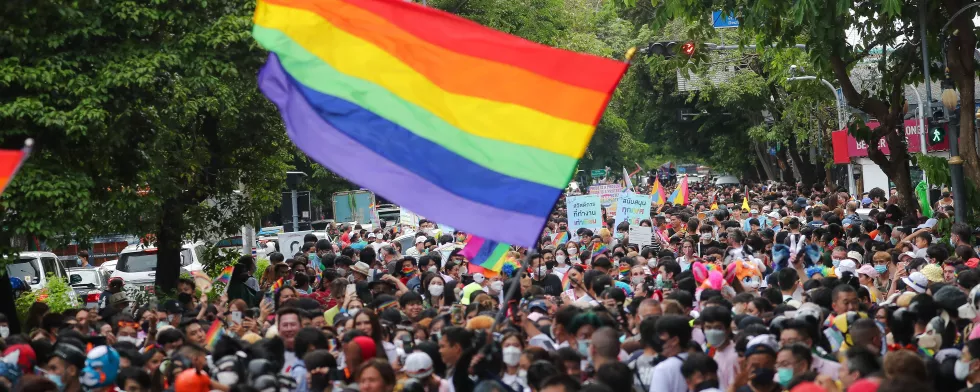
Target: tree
[(147, 117), (823, 28)]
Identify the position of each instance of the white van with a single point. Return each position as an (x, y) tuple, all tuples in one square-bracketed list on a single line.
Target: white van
[(34, 268), (137, 263)]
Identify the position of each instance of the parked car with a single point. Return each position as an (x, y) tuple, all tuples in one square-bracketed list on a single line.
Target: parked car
[(727, 181), (137, 263), (88, 284), (109, 266), (34, 268)]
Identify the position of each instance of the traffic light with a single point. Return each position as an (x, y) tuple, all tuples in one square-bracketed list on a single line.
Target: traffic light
[(937, 133), (669, 49)]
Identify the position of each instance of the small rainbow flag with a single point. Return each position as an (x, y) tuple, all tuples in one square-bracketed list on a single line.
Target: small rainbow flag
[(561, 238), (225, 276), (566, 282), (657, 193), (214, 333), (488, 254), (277, 285), (599, 248), (680, 195), (358, 75)]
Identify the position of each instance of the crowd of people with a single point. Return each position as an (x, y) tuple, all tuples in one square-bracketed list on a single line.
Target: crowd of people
[(797, 292)]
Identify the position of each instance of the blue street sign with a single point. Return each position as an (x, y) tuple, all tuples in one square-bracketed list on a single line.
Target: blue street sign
[(723, 22)]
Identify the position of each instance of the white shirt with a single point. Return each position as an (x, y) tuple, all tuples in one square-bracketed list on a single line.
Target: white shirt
[(667, 375)]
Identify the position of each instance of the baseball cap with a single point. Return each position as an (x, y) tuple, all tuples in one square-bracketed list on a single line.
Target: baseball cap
[(909, 254), (928, 225), (917, 281), (419, 239), (418, 365), (868, 270), (846, 265), (853, 255), (372, 235)]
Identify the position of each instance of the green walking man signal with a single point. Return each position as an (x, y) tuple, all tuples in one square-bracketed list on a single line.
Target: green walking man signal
[(937, 133)]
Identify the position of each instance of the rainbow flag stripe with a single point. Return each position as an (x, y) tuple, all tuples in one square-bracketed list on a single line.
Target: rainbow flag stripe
[(599, 248), (489, 254), (225, 276), (566, 282), (561, 238), (214, 333), (384, 79), (657, 193), (680, 195)]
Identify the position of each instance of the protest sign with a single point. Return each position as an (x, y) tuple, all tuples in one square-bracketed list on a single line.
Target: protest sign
[(608, 196), (584, 211), (632, 208), (292, 243), (641, 235)]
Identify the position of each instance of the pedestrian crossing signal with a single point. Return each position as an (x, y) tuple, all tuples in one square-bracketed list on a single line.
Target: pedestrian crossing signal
[(937, 134)]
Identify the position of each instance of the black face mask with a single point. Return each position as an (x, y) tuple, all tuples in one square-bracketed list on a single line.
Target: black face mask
[(763, 377), (706, 384), (184, 298), (145, 326)]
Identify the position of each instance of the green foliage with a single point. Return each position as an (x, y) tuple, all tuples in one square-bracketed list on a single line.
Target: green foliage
[(127, 96), (937, 171), (58, 295), (260, 267)]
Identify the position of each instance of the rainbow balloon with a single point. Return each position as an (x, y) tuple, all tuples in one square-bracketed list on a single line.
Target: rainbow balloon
[(385, 79)]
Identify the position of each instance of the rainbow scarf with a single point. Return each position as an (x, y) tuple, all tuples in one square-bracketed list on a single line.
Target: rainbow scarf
[(489, 254), (358, 75), (214, 333)]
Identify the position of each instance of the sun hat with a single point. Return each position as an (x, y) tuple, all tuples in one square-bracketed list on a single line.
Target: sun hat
[(932, 272), (917, 281)]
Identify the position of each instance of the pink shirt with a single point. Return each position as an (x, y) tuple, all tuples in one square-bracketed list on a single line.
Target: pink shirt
[(727, 360)]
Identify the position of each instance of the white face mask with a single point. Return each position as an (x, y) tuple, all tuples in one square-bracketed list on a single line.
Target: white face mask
[(353, 312), (436, 290), (652, 263), (637, 279), (130, 339), (512, 355), (496, 286), (4, 331), (961, 370), (572, 251), (560, 259)]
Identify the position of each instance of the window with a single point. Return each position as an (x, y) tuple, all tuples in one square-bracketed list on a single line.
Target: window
[(90, 277), (26, 269), (137, 262), (53, 267)]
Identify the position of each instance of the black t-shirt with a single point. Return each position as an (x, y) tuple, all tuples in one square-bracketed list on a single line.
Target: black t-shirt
[(550, 284), (701, 247)]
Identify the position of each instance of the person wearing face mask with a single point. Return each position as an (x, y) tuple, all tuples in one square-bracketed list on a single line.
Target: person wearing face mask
[(967, 368), (550, 283), (701, 373), (716, 322), (561, 263), (66, 364), (512, 346), (706, 240), (573, 253), (4, 326), (792, 361), (436, 295), (759, 371), (674, 333)]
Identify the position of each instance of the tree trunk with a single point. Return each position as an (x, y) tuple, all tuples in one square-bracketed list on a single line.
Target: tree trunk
[(169, 242), (806, 170), (763, 162), (962, 69)]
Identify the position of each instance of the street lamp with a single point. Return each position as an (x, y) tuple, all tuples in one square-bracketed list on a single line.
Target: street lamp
[(852, 187)]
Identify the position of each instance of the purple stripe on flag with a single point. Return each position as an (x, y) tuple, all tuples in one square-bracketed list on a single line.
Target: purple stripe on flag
[(332, 149)]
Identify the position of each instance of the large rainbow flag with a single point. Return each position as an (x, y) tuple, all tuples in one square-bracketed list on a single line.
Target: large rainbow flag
[(385, 79), (488, 254), (657, 193), (680, 194)]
